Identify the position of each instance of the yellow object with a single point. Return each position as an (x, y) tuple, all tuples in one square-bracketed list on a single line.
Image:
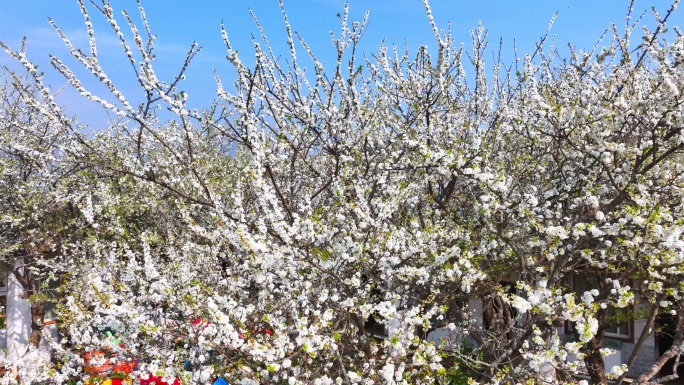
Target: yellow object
[(108, 381)]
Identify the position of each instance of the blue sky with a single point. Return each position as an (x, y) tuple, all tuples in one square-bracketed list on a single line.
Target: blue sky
[(179, 23)]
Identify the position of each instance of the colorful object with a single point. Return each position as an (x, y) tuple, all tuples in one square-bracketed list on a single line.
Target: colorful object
[(110, 381), (107, 367), (112, 337), (220, 381), (158, 381), (117, 381)]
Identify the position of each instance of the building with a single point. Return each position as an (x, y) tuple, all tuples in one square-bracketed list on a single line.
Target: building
[(15, 319)]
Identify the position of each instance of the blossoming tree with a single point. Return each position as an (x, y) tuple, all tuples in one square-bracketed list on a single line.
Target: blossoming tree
[(32, 131), (272, 236)]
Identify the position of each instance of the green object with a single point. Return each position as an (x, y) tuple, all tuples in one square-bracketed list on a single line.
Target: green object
[(108, 333)]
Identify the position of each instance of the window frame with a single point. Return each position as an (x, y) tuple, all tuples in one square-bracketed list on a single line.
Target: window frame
[(627, 337)]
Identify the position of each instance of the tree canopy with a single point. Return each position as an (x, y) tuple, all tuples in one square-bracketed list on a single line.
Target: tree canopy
[(315, 225)]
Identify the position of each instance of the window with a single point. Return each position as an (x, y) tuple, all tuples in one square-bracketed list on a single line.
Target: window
[(48, 290), (623, 321), (375, 328), (372, 325), (620, 317)]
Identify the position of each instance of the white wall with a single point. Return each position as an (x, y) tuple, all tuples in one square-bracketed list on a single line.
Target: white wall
[(18, 318)]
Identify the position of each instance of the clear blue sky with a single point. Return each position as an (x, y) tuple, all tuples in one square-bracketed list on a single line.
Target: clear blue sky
[(179, 23)]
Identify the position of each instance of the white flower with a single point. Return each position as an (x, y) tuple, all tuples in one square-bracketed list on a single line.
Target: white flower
[(353, 377), (521, 304), (557, 231), (617, 371), (587, 330)]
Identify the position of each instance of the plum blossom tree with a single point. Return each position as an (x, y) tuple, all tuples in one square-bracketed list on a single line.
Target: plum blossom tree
[(268, 237), (32, 129)]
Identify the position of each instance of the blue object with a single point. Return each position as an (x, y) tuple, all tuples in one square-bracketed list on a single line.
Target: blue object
[(220, 381)]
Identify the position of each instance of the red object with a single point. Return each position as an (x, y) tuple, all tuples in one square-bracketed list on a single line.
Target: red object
[(256, 331), (199, 321), (107, 367), (157, 380), (117, 381)]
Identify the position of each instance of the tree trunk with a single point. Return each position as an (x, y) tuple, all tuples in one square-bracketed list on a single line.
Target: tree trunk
[(37, 309), (594, 361), (37, 319)]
